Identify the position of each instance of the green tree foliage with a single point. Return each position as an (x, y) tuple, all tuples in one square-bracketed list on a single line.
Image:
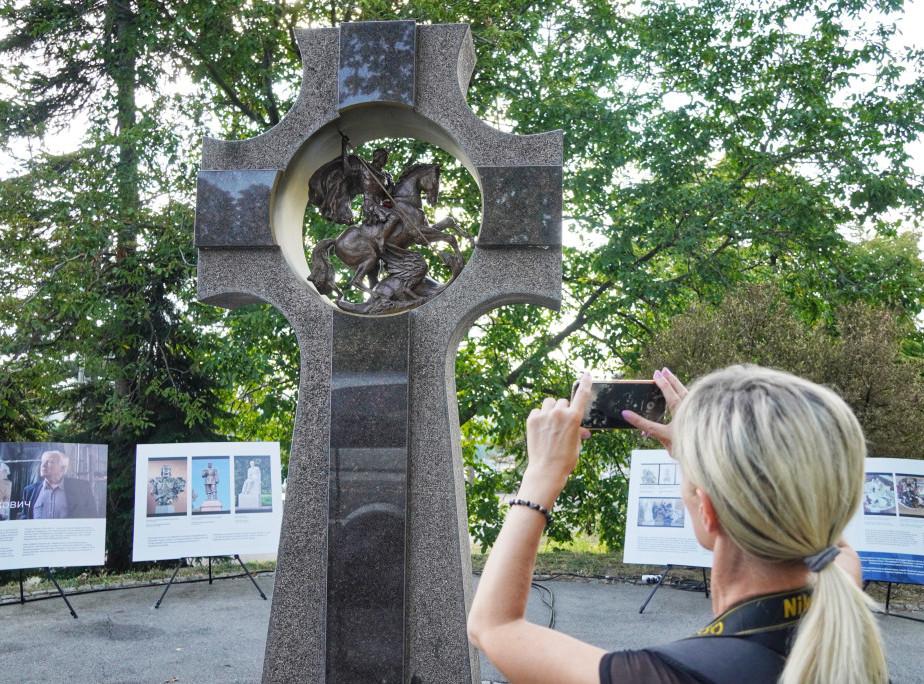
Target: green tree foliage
[(857, 353), (707, 145), (20, 407)]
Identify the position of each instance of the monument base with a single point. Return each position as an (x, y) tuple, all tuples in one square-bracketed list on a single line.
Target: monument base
[(248, 500), (210, 506), (164, 510)]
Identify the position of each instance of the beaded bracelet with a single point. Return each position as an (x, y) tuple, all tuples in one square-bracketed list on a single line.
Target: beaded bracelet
[(536, 507)]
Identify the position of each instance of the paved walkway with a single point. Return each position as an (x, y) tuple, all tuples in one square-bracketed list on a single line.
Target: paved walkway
[(205, 634)]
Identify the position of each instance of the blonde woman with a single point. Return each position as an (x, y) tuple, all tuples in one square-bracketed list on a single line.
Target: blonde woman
[(772, 473)]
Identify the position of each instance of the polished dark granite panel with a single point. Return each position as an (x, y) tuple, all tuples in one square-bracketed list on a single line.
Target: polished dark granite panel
[(377, 62), (522, 205), (370, 344), (233, 208), (371, 410), (368, 500)]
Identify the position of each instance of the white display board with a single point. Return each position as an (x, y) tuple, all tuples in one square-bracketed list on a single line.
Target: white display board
[(888, 530), (52, 504), (206, 499), (658, 527)]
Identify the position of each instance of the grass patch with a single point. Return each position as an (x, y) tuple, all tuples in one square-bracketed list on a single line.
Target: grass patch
[(902, 594), (594, 565)]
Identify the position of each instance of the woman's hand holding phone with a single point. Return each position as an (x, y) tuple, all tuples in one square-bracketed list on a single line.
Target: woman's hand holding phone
[(674, 393)]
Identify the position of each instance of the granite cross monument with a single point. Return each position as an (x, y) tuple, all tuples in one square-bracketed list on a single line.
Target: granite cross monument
[(374, 575)]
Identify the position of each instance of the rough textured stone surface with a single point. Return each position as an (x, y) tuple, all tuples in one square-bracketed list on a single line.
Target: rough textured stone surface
[(438, 579), (295, 642), (519, 261)]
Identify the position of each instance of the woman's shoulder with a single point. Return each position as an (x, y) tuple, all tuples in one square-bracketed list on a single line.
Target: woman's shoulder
[(640, 666), (723, 659)]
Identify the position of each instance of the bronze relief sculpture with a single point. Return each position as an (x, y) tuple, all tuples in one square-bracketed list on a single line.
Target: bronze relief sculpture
[(392, 221)]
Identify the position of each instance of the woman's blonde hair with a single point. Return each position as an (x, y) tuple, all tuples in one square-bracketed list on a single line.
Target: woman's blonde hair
[(782, 460)]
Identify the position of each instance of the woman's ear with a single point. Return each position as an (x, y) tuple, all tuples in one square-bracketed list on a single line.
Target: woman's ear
[(708, 518)]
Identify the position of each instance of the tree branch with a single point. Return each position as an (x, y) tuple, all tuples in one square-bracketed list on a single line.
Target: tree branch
[(192, 44), (271, 104), (57, 267), (579, 321)]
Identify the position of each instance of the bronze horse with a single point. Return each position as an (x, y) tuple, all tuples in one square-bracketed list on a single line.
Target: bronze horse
[(361, 247)]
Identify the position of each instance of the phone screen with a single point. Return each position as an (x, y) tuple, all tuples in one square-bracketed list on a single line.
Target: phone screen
[(609, 398)]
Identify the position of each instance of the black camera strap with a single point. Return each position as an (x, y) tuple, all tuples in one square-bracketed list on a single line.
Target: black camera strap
[(748, 642), (773, 615)]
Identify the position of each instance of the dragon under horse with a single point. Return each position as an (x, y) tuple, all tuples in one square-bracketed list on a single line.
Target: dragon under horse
[(392, 221)]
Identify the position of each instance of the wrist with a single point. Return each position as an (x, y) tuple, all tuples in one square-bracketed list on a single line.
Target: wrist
[(542, 510), (540, 488)]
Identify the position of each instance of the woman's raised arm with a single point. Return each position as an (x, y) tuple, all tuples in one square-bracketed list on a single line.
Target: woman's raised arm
[(497, 625)]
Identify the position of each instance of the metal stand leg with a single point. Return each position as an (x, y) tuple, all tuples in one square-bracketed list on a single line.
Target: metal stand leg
[(172, 577), (262, 595), (656, 587), (889, 599), (22, 594), (210, 569), (705, 583), (51, 576)]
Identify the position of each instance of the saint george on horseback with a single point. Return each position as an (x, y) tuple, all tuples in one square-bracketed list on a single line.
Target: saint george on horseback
[(392, 221)]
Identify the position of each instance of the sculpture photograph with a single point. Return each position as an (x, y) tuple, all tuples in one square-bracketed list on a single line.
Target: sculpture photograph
[(167, 492), (252, 483), (210, 491), (210, 479), (392, 220), (250, 473)]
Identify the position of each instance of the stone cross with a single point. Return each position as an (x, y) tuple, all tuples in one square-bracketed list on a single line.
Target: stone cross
[(374, 573)]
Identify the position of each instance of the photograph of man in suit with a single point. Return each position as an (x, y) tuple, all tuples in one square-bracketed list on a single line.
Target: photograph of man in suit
[(57, 496)]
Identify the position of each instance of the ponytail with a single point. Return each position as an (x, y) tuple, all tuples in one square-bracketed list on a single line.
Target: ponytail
[(838, 638), (782, 460)]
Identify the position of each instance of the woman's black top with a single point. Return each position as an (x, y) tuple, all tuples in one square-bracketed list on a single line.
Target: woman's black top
[(748, 642)]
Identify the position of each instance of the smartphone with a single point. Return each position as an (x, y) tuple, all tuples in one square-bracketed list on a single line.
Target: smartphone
[(609, 398)]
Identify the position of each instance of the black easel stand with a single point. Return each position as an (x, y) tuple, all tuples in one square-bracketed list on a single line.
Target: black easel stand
[(661, 581), (177, 569), (172, 577), (51, 576), (888, 599), (262, 595)]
